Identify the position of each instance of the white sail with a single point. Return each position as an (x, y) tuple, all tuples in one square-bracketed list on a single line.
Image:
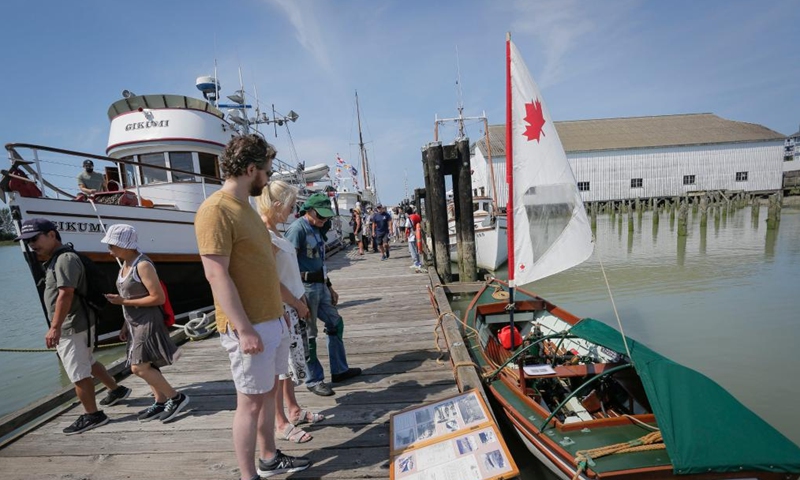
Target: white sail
[(551, 231)]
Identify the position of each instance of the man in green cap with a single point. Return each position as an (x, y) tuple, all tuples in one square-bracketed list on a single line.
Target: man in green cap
[(308, 237)]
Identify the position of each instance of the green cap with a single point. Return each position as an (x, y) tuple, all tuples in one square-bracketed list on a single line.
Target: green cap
[(320, 203)]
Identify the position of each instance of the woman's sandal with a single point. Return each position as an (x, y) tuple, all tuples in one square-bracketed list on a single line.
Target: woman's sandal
[(295, 434), (309, 417)]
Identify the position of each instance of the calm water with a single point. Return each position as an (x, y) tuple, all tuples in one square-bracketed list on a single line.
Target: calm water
[(725, 302)]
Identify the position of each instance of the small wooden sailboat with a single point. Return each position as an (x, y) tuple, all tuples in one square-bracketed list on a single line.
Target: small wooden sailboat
[(586, 400)]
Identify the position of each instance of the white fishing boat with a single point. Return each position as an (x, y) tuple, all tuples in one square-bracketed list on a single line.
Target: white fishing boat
[(162, 161), (491, 237)]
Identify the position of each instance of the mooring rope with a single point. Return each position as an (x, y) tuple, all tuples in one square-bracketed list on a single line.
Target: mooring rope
[(584, 458)]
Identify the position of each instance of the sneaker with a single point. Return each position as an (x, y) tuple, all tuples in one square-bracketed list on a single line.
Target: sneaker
[(173, 407), (349, 373), (383, 257), (282, 464), (153, 411), (322, 389), (87, 421), (114, 396)]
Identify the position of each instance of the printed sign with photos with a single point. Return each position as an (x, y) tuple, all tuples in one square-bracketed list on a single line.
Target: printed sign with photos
[(452, 439)]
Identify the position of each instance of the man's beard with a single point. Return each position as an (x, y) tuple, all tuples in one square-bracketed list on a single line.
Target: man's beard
[(255, 188)]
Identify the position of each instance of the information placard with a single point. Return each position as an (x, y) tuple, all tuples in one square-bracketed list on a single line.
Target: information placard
[(451, 439)]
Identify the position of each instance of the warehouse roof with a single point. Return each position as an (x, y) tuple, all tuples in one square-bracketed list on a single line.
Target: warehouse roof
[(643, 132)]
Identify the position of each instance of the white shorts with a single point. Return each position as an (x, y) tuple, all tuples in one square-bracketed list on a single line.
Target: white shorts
[(255, 374), (76, 356)]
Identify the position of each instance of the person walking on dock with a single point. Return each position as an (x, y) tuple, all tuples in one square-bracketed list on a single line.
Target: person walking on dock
[(275, 205), (236, 251), (381, 227), (367, 231), (149, 344), (71, 322), (411, 232), (306, 235)]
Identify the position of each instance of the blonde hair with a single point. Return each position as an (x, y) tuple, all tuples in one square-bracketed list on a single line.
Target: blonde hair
[(276, 194)]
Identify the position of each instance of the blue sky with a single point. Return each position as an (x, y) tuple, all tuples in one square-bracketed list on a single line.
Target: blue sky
[(64, 63)]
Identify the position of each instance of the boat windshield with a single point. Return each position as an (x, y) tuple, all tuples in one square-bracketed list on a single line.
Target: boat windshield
[(160, 101)]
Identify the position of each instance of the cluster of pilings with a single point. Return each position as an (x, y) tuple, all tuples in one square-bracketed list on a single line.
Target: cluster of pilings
[(439, 161), (716, 204)]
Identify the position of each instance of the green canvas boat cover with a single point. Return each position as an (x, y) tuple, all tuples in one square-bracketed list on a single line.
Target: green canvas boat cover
[(704, 428)]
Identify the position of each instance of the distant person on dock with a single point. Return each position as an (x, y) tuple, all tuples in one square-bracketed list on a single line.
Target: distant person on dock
[(411, 231), (400, 221), (358, 228), (381, 226), (89, 181), (149, 344), (236, 251), (275, 204), (71, 321), (306, 235), (369, 244)]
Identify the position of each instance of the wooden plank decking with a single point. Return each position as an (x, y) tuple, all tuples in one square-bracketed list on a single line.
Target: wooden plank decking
[(389, 333)]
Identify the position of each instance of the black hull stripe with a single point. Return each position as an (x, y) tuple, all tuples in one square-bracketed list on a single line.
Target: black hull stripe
[(106, 217)]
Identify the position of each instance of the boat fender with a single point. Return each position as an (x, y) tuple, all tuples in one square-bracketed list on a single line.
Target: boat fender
[(505, 337)]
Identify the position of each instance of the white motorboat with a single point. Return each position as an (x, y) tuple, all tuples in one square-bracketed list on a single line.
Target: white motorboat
[(491, 249)]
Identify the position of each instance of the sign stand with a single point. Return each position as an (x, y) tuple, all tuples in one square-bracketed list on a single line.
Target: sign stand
[(451, 439)]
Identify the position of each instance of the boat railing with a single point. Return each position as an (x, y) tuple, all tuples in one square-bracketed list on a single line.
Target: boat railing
[(74, 159)]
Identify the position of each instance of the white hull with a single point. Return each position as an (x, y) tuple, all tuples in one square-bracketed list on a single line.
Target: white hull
[(491, 242)]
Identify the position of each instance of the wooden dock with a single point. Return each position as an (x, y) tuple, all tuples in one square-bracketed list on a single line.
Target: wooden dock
[(389, 333)]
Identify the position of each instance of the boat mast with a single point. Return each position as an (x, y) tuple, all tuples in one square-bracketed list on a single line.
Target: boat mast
[(510, 181), (364, 161)]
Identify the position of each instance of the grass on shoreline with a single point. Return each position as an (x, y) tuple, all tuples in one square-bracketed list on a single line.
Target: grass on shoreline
[(6, 243)]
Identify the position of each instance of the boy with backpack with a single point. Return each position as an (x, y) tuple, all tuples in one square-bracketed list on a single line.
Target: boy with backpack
[(71, 321)]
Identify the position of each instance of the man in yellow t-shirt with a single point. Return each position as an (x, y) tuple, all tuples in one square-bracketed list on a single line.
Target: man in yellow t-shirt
[(236, 251)]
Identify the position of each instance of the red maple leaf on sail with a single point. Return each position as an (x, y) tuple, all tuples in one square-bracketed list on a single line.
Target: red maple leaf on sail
[(535, 118)]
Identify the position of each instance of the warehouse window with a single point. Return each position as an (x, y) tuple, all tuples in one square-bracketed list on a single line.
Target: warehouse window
[(636, 183), (688, 179), (741, 176), (583, 186)]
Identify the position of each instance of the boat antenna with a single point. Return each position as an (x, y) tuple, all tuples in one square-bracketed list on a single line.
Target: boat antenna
[(460, 120), (460, 104), (258, 108), (246, 124), (216, 83)]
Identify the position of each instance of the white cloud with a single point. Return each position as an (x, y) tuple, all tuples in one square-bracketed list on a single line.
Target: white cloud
[(564, 25), (308, 30)]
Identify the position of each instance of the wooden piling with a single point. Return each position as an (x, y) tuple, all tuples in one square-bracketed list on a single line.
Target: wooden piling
[(465, 218), (703, 212), (755, 210), (436, 197), (773, 213), (683, 214)]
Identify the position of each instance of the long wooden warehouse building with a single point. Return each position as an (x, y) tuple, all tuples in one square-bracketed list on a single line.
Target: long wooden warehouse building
[(652, 157)]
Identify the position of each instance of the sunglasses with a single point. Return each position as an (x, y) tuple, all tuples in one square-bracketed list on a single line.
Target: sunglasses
[(28, 241)]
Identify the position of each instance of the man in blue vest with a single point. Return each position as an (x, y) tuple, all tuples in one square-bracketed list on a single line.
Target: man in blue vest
[(307, 234)]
